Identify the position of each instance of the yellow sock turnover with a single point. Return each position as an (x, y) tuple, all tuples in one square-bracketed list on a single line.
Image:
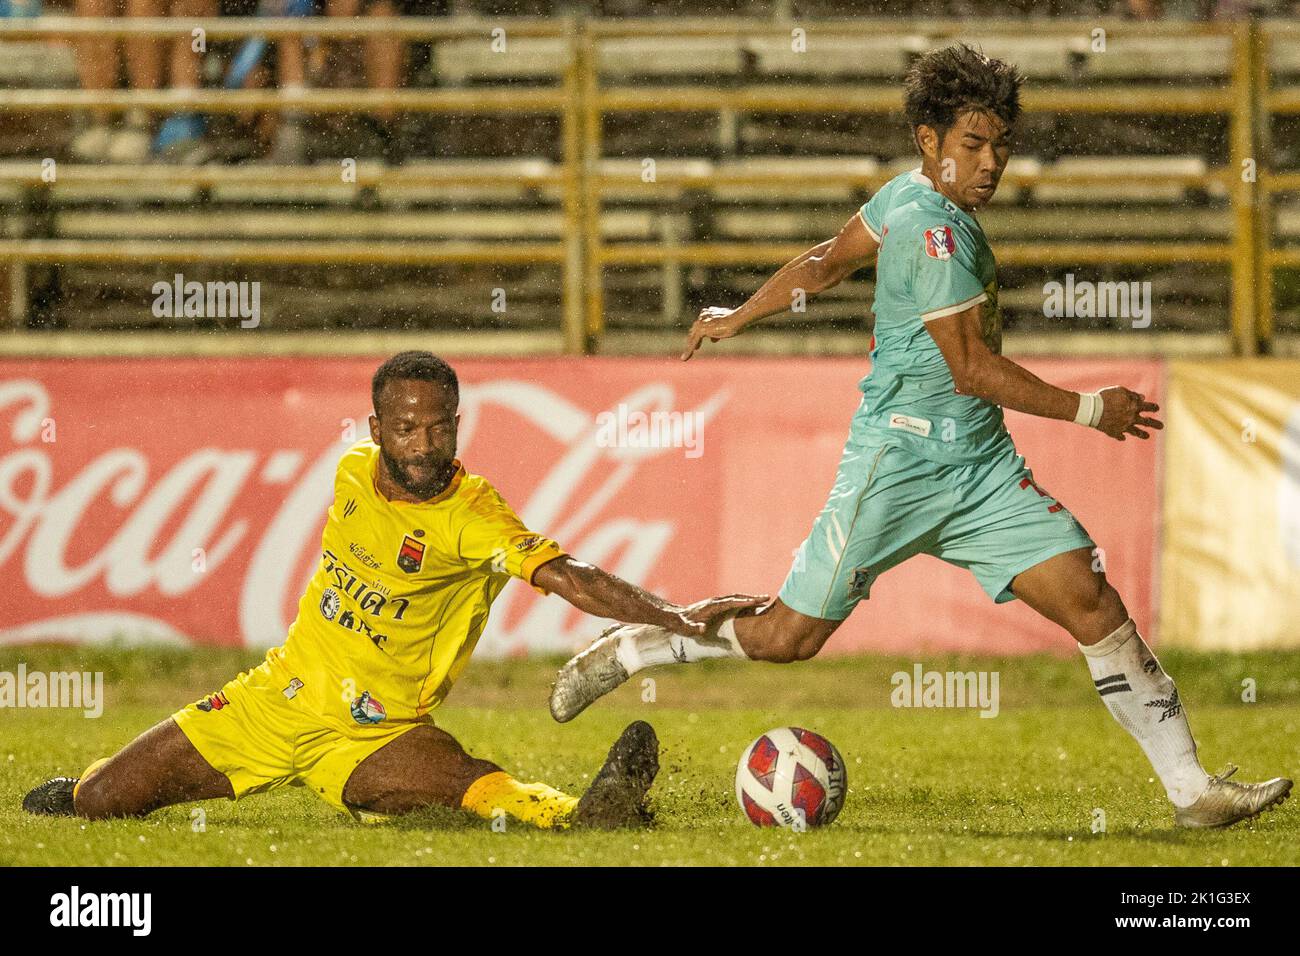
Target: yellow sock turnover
[(533, 803), (86, 773)]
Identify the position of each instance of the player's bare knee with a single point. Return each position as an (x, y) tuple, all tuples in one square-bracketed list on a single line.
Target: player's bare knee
[(783, 653), (1097, 612), (1103, 598), (808, 645), (772, 644), (783, 639), (784, 646)]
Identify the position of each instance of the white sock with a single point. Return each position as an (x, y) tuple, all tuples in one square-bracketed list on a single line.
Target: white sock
[(1143, 698), (647, 645)]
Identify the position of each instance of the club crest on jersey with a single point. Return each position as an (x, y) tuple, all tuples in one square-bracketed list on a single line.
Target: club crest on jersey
[(329, 604), (940, 243), (411, 556), (215, 702), (860, 583), (367, 710)]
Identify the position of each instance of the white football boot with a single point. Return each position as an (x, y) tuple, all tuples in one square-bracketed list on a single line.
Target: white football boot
[(1225, 802), (591, 675)]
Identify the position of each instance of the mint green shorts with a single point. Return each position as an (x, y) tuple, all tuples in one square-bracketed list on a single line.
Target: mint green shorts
[(889, 504)]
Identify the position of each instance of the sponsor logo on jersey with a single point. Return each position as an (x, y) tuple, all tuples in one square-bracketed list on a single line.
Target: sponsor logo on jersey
[(215, 702), (367, 710), (411, 555), (354, 622), (350, 507), (329, 604), (917, 426), (291, 691), (528, 543), (940, 243), (373, 598), (364, 556)]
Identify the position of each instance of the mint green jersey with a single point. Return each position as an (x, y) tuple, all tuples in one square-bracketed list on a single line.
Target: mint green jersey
[(934, 261)]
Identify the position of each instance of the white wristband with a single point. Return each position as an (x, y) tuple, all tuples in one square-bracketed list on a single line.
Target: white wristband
[(1090, 408)]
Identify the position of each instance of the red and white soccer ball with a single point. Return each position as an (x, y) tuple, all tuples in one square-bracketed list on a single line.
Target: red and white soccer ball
[(791, 777)]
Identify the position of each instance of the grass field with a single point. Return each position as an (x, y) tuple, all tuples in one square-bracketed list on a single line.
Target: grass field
[(926, 786)]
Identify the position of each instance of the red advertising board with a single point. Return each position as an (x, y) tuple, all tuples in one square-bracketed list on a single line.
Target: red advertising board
[(183, 500)]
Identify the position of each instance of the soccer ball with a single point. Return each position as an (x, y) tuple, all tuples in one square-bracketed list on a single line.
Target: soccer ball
[(791, 777)]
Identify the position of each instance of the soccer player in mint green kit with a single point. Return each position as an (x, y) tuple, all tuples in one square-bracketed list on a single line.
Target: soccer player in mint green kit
[(929, 467)]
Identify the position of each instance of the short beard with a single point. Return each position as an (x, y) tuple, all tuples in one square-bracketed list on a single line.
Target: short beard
[(441, 478)]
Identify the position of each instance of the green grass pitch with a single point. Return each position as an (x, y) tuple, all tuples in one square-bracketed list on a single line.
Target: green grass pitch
[(926, 786)]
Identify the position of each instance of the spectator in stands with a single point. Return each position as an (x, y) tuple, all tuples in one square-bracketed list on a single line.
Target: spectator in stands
[(249, 68), (383, 58), (318, 62), (383, 55), (180, 137)]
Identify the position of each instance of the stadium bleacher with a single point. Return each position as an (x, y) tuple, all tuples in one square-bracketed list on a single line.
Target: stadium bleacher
[(754, 145)]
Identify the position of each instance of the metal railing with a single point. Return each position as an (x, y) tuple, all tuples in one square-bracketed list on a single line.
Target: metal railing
[(583, 101)]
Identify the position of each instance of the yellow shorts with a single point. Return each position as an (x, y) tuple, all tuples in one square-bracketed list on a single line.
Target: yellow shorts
[(267, 728)]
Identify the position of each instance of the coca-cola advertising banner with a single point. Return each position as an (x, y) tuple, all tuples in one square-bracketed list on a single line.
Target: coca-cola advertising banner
[(183, 500)]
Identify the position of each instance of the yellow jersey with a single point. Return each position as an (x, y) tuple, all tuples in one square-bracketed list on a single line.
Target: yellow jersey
[(402, 593)]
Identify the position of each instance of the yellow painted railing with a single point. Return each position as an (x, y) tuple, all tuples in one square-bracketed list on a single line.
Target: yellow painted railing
[(583, 102)]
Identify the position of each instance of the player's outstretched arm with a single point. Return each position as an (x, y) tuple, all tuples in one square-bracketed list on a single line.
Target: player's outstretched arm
[(978, 371), (602, 594), (824, 265)]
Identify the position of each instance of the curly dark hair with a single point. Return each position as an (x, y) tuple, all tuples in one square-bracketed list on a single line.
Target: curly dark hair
[(424, 366), (945, 84)]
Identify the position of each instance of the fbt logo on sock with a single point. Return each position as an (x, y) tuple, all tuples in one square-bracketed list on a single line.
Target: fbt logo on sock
[(75, 908)]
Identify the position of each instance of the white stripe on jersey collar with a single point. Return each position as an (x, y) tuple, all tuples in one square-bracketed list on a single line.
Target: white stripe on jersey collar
[(924, 180)]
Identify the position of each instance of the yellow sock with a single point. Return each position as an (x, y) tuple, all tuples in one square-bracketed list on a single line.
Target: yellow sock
[(86, 773), (534, 803)]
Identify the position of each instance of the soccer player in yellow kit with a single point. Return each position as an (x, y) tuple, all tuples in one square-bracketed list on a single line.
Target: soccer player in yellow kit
[(415, 550)]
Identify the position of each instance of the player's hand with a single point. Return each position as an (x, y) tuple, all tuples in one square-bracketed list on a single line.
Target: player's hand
[(694, 619), (714, 323), (1124, 413)]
